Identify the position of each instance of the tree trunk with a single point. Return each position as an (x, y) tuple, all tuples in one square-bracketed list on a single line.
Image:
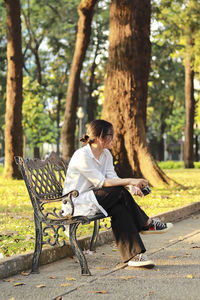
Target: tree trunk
[(196, 147), (91, 99), (85, 11), (126, 89), (13, 128), (36, 152), (189, 107), (58, 122)]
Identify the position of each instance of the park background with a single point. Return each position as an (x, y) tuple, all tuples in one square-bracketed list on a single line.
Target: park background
[(65, 63)]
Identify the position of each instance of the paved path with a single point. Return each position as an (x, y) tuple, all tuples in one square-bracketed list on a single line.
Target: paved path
[(176, 275)]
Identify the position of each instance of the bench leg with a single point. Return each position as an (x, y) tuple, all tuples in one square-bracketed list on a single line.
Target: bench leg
[(77, 250), (38, 246), (94, 235)]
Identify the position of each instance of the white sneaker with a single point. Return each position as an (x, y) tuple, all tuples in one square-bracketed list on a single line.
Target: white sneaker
[(156, 226), (141, 260)]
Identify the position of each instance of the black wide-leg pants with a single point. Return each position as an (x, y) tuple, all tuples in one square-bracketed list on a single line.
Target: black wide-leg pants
[(127, 219)]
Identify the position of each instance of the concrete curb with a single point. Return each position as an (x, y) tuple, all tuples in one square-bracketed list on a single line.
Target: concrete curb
[(18, 263)]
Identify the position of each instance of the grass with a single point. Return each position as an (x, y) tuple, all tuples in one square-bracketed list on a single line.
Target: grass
[(16, 214)]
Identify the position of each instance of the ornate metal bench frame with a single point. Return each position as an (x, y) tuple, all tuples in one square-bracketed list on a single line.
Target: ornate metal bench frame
[(44, 181)]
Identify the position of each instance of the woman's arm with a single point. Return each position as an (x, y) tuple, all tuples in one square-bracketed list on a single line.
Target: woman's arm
[(138, 182)]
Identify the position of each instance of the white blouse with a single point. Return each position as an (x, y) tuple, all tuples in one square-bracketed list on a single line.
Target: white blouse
[(85, 173)]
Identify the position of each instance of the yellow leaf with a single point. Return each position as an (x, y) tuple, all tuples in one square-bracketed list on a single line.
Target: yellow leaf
[(65, 284), (52, 277), (190, 276), (19, 283), (70, 278), (40, 286)]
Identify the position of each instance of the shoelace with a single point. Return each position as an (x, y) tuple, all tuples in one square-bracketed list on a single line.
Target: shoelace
[(157, 222), (142, 257)]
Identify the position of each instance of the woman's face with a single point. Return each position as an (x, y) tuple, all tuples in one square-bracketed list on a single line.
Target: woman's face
[(108, 139)]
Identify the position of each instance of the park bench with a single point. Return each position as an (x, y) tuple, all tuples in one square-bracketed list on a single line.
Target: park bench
[(44, 181)]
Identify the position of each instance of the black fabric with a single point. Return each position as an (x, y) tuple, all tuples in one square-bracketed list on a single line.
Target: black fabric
[(127, 219)]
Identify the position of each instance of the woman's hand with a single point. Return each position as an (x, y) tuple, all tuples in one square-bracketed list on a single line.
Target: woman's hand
[(139, 182), (135, 190)]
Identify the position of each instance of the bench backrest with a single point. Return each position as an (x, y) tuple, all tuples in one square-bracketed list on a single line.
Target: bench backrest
[(44, 179)]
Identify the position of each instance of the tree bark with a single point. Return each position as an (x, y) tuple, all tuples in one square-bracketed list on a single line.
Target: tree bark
[(85, 11), (189, 107), (126, 89), (91, 100), (13, 128)]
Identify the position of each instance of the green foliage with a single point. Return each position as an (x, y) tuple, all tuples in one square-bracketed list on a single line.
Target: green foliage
[(175, 21), (166, 95), (37, 123), (197, 164), (170, 164)]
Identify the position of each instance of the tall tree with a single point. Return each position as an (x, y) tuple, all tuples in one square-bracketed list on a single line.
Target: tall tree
[(13, 129), (85, 10), (165, 97), (189, 106), (126, 89), (181, 21)]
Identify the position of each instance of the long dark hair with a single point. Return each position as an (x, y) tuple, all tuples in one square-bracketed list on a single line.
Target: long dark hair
[(97, 128)]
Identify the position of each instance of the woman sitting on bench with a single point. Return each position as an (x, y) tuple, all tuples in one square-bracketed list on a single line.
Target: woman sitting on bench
[(92, 173)]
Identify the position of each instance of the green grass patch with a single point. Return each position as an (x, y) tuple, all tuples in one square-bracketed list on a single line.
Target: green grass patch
[(170, 164), (17, 230)]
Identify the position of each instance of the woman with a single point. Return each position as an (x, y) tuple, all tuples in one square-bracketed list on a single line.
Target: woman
[(92, 173)]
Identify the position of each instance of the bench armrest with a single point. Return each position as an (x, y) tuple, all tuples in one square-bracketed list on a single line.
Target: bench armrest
[(67, 198)]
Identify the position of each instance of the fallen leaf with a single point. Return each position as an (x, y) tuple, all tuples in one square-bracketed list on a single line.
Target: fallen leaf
[(190, 276), (40, 286), (65, 284), (186, 255), (127, 277), (114, 249), (59, 298), (99, 292), (172, 256), (9, 280), (100, 268), (70, 278), (52, 277), (19, 283), (11, 298), (195, 247), (25, 273), (151, 293)]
